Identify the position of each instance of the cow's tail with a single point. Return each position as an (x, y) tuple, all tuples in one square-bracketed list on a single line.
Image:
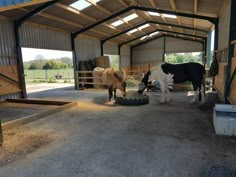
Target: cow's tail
[(202, 88)]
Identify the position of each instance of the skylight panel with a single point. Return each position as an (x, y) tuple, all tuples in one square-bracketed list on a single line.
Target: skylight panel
[(130, 17), (132, 31), (144, 26), (169, 16), (117, 23), (154, 13), (154, 33), (144, 37), (80, 4)]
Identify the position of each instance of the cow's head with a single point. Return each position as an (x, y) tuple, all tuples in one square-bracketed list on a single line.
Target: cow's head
[(144, 82), (121, 84)]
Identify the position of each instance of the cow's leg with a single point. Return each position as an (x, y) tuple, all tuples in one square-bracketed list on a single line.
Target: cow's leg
[(114, 92), (195, 96), (163, 91), (167, 93), (202, 94), (110, 89)]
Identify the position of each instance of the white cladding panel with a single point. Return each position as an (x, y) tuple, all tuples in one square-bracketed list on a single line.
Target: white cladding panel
[(38, 36), (149, 52), (224, 24), (174, 45), (110, 48), (7, 43), (125, 56), (87, 48)]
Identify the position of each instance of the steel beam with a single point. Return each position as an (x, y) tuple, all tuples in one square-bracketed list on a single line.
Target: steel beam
[(211, 19), (119, 53), (75, 63), (161, 11), (177, 37), (101, 45), (232, 36), (209, 56), (162, 31), (17, 24), (154, 22), (21, 20), (216, 35)]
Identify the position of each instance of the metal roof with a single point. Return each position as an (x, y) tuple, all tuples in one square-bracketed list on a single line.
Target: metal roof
[(60, 15)]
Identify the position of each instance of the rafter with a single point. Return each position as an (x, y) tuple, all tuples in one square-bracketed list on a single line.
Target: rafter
[(172, 3), (167, 35), (123, 3), (43, 14), (101, 8), (154, 4), (77, 12), (167, 31), (156, 22), (213, 20), (143, 15), (195, 12)]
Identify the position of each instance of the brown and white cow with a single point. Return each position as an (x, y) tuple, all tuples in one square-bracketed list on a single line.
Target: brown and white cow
[(114, 79)]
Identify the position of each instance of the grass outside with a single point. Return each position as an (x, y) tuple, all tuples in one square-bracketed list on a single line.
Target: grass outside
[(49, 74)]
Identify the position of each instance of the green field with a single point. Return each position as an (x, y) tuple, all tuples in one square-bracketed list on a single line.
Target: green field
[(50, 74)]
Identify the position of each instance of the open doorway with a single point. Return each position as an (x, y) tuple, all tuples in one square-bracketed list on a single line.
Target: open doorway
[(47, 69), (114, 60), (177, 58)]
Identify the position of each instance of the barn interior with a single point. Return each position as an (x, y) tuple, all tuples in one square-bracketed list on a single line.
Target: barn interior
[(80, 134)]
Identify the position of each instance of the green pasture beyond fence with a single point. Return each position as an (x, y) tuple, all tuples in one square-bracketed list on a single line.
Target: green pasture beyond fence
[(49, 74)]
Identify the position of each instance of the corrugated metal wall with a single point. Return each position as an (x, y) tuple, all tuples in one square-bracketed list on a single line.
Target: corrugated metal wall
[(174, 45), (149, 52), (110, 48), (10, 96), (7, 51), (7, 43), (125, 56), (224, 24), (38, 36), (87, 48)]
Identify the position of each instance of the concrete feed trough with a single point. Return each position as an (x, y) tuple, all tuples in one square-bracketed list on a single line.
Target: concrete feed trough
[(133, 98)]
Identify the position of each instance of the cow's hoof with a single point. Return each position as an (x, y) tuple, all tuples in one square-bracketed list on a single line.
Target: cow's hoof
[(193, 101), (167, 99), (133, 98)]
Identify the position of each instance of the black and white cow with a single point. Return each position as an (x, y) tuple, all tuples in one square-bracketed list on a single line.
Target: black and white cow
[(177, 73)]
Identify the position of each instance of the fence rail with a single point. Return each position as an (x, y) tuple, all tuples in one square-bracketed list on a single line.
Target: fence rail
[(222, 55)]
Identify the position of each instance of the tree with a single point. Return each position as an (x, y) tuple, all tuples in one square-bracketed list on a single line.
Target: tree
[(39, 57), (34, 66), (67, 61), (180, 59)]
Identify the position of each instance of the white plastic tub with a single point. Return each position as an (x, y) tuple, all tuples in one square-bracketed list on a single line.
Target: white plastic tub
[(224, 119)]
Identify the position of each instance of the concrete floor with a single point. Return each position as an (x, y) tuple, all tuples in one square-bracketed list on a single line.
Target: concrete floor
[(12, 111), (96, 139)]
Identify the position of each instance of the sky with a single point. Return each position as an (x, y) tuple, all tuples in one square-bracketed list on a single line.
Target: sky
[(30, 54)]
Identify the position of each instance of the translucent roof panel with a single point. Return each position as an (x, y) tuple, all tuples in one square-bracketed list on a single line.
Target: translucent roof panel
[(154, 13), (81, 4), (130, 17), (117, 23)]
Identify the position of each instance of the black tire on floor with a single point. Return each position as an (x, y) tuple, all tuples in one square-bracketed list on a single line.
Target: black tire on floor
[(132, 101)]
